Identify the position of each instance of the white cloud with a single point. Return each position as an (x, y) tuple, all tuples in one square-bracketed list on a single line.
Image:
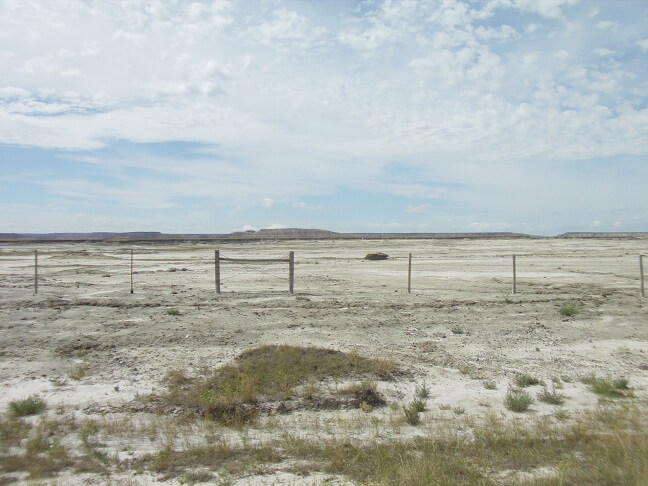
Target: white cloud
[(267, 202), (441, 87), (595, 223), (604, 52), (605, 24), (420, 209), (276, 226)]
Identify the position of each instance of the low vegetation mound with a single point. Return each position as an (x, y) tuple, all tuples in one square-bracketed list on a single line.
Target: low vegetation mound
[(376, 256), (280, 376)]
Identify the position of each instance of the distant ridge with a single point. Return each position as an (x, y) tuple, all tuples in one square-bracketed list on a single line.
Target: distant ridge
[(263, 234), (605, 234), (285, 234)]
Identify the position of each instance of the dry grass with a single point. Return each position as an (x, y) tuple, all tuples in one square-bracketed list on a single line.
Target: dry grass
[(606, 446), (233, 393)]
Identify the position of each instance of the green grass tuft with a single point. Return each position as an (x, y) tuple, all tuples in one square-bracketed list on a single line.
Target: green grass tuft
[(231, 394), (551, 397), (568, 310), (525, 380), (517, 400), (28, 406)]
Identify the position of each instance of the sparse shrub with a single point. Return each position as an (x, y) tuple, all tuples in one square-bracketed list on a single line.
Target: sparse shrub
[(607, 387), (457, 330), (412, 415), (471, 371), (88, 430), (417, 404), (231, 394), (490, 385), (79, 371), (173, 312), (459, 410), (525, 380), (27, 406), (517, 400), (552, 397), (508, 300), (568, 310), (621, 383), (422, 391)]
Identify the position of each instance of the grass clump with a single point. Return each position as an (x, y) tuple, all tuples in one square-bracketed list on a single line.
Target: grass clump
[(232, 394), (525, 380), (568, 310), (173, 312), (606, 387), (517, 400), (490, 385), (28, 406), (457, 330), (551, 397), (412, 411), (79, 371)]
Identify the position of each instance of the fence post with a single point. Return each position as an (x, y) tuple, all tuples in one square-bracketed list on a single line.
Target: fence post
[(641, 273), (131, 272), (217, 270), (514, 277), (35, 272), (291, 271), (409, 275)]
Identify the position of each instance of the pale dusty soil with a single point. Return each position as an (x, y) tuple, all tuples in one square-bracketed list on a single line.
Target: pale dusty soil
[(83, 309)]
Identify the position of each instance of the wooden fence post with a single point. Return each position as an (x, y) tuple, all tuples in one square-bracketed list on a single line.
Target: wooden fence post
[(291, 271), (131, 272), (409, 275), (35, 272), (641, 273), (514, 277), (217, 270)]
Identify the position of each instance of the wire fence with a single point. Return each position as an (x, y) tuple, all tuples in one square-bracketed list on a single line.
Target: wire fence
[(437, 268)]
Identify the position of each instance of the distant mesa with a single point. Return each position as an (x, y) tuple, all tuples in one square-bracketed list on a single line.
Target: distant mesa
[(376, 256), (282, 234)]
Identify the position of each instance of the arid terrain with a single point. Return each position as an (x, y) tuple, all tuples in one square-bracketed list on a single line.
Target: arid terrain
[(95, 352)]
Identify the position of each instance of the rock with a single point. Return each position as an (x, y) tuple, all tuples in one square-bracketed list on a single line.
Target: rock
[(376, 256)]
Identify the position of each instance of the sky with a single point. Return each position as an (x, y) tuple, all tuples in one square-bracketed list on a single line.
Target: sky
[(356, 116)]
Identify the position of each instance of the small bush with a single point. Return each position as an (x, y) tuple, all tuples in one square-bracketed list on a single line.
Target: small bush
[(28, 406), (457, 330), (607, 387), (568, 310), (173, 312), (517, 400), (621, 383), (422, 391), (412, 414), (552, 397), (525, 380), (418, 404)]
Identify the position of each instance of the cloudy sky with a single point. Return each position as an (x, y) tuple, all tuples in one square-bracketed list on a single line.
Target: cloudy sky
[(178, 116)]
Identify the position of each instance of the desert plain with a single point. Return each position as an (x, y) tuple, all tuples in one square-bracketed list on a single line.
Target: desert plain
[(95, 353)]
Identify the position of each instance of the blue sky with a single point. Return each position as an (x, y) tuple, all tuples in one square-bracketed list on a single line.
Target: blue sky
[(427, 116)]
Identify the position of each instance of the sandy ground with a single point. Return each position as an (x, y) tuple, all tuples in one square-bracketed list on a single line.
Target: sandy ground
[(84, 313)]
